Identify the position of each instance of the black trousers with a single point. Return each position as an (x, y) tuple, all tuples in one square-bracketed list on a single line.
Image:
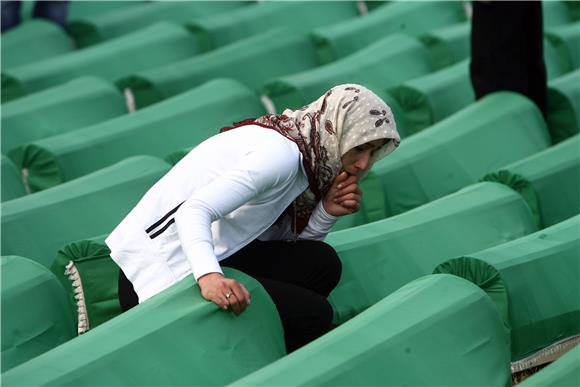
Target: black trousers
[(298, 276)]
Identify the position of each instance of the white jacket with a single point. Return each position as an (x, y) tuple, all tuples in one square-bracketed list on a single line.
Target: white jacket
[(222, 195)]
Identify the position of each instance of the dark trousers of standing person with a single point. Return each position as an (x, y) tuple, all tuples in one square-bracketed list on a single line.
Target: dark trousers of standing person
[(507, 49), (298, 276), (55, 11)]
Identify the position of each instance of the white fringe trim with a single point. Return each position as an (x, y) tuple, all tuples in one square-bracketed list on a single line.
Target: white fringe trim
[(546, 355), (24, 173), (362, 7), (82, 315), (129, 100), (468, 8), (268, 104)]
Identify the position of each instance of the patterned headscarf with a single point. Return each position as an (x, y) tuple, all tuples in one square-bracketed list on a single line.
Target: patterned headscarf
[(345, 117)]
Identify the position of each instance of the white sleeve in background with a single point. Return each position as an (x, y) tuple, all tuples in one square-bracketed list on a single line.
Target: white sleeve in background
[(319, 224)]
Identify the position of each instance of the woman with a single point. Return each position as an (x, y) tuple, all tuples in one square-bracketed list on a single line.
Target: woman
[(259, 197)]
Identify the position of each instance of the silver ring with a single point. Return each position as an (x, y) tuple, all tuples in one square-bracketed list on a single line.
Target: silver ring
[(228, 294)]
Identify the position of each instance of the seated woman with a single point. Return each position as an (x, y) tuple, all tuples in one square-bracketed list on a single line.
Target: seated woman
[(259, 197)]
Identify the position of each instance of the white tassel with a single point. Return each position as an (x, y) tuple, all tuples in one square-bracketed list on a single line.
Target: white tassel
[(546, 355), (82, 315)]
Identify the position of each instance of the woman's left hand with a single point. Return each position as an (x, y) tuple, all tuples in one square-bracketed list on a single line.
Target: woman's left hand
[(344, 195)]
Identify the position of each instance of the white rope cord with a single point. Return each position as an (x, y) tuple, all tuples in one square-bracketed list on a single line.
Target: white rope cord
[(24, 173), (129, 100), (268, 104), (546, 355), (73, 275)]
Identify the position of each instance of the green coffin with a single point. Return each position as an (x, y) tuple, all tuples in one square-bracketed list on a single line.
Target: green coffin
[(300, 16), (251, 61), (534, 282), (564, 106), (564, 372), (73, 105), (433, 97), (11, 184), (550, 180), (147, 48), (411, 18), (90, 29), (33, 41), (556, 13), (386, 63), (380, 257), (35, 314), (448, 45), (38, 225), (566, 40), (184, 120), (174, 338), (439, 330)]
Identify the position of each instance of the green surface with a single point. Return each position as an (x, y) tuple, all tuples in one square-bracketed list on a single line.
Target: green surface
[(35, 314), (184, 120), (564, 372), (12, 185), (33, 41), (553, 176), (11, 88), (57, 110), (251, 61), (383, 64), (174, 338), (495, 131), (439, 330), (91, 29), (556, 13), (554, 66), (411, 18), (147, 48), (300, 16), (535, 280), (433, 97), (566, 40), (380, 257), (564, 106), (448, 45), (38, 225)]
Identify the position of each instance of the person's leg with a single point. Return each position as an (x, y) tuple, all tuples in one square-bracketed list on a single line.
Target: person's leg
[(55, 11), (127, 296), (10, 14)]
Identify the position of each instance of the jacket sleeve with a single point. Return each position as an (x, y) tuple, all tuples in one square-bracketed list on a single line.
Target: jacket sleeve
[(319, 224)]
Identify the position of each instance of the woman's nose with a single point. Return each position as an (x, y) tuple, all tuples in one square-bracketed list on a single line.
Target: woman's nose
[(364, 161)]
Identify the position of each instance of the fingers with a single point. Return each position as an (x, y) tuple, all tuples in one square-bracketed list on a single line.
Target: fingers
[(344, 180)]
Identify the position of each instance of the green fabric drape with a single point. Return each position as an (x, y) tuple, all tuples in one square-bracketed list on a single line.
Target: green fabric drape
[(564, 372), (174, 338), (251, 61), (147, 48), (89, 29), (33, 41), (184, 120), (11, 88), (176, 156), (300, 16), (57, 110), (12, 185), (37, 226), (433, 97), (549, 179), (566, 40), (556, 13), (564, 106), (406, 57), (382, 256), (541, 273), (411, 18), (35, 314), (439, 330), (448, 45)]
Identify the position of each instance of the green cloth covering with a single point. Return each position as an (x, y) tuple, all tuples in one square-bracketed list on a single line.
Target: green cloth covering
[(566, 41), (433, 97), (448, 45), (564, 372), (406, 59), (556, 13), (12, 185), (184, 120), (564, 106), (57, 110), (554, 67), (538, 277), (176, 156), (175, 338), (11, 88), (85, 8), (552, 176), (495, 131), (90, 29), (147, 48), (33, 41), (37, 226), (412, 18), (35, 314), (380, 257), (98, 275), (439, 330), (251, 61), (300, 16)]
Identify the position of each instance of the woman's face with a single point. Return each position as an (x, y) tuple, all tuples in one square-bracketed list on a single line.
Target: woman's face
[(358, 160)]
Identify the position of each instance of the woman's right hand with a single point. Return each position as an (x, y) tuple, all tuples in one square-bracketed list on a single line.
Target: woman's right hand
[(224, 292)]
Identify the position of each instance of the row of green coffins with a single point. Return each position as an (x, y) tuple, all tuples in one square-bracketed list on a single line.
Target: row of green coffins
[(388, 336), (563, 372)]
